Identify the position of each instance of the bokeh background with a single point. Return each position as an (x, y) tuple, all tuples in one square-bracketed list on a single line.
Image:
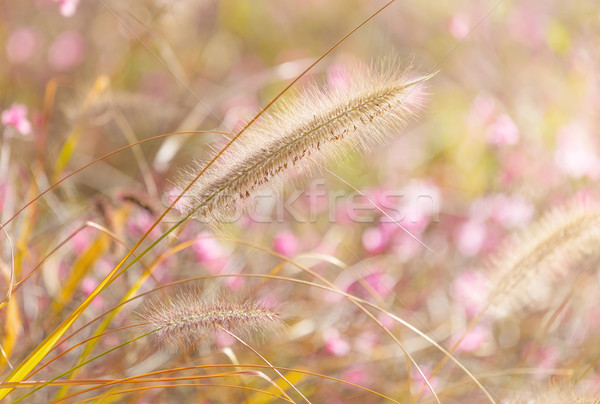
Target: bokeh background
[(509, 132)]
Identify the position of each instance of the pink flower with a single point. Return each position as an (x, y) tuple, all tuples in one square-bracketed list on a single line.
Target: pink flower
[(16, 116), (4, 190), (357, 375), (68, 7), (21, 45), (81, 240), (527, 26), (483, 109), (286, 243), (574, 153), (473, 340), (377, 282), (338, 77), (512, 212), (234, 283), (223, 339), (88, 285), (503, 131), (470, 238), (419, 383), (470, 290), (422, 204), (459, 25), (239, 110), (66, 51), (407, 247), (139, 222), (334, 343), (366, 342), (374, 240), (386, 321), (543, 357), (210, 253)]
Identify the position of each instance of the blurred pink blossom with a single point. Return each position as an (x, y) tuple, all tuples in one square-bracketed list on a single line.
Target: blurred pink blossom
[(223, 339), (234, 283), (81, 240), (470, 289), (527, 26), (543, 357), (424, 199), (286, 243), (377, 282), (512, 212), (238, 111), (470, 237), (508, 211), (66, 51), (366, 342), (415, 206), (407, 247), (473, 340), (483, 109), (503, 131), (104, 266), (68, 7), (210, 253), (374, 240), (88, 285), (514, 166), (574, 153), (16, 116), (21, 45), (139, 222), (357, 375), (4, 190), (334, 343), (419, 383), (386, 321), (338, 77), (459, 25)]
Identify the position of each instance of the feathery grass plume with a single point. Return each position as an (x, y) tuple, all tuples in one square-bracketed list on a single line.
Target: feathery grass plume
[(187, 320), (555, 394), (531, 260), (318, 123)]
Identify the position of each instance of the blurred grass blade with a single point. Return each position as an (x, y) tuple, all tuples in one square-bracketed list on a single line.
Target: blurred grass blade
[(81, 267)]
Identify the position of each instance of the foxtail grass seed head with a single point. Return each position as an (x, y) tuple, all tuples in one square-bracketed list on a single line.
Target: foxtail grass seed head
[(524, 271), (187, 321), (321, 123)]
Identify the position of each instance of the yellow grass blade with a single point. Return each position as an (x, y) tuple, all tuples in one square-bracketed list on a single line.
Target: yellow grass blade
[(11, 327), (42, 350)]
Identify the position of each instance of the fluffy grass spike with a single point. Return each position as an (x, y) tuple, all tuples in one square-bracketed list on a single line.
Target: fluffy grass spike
[(530, 261), (186, 321), (321, 122)]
